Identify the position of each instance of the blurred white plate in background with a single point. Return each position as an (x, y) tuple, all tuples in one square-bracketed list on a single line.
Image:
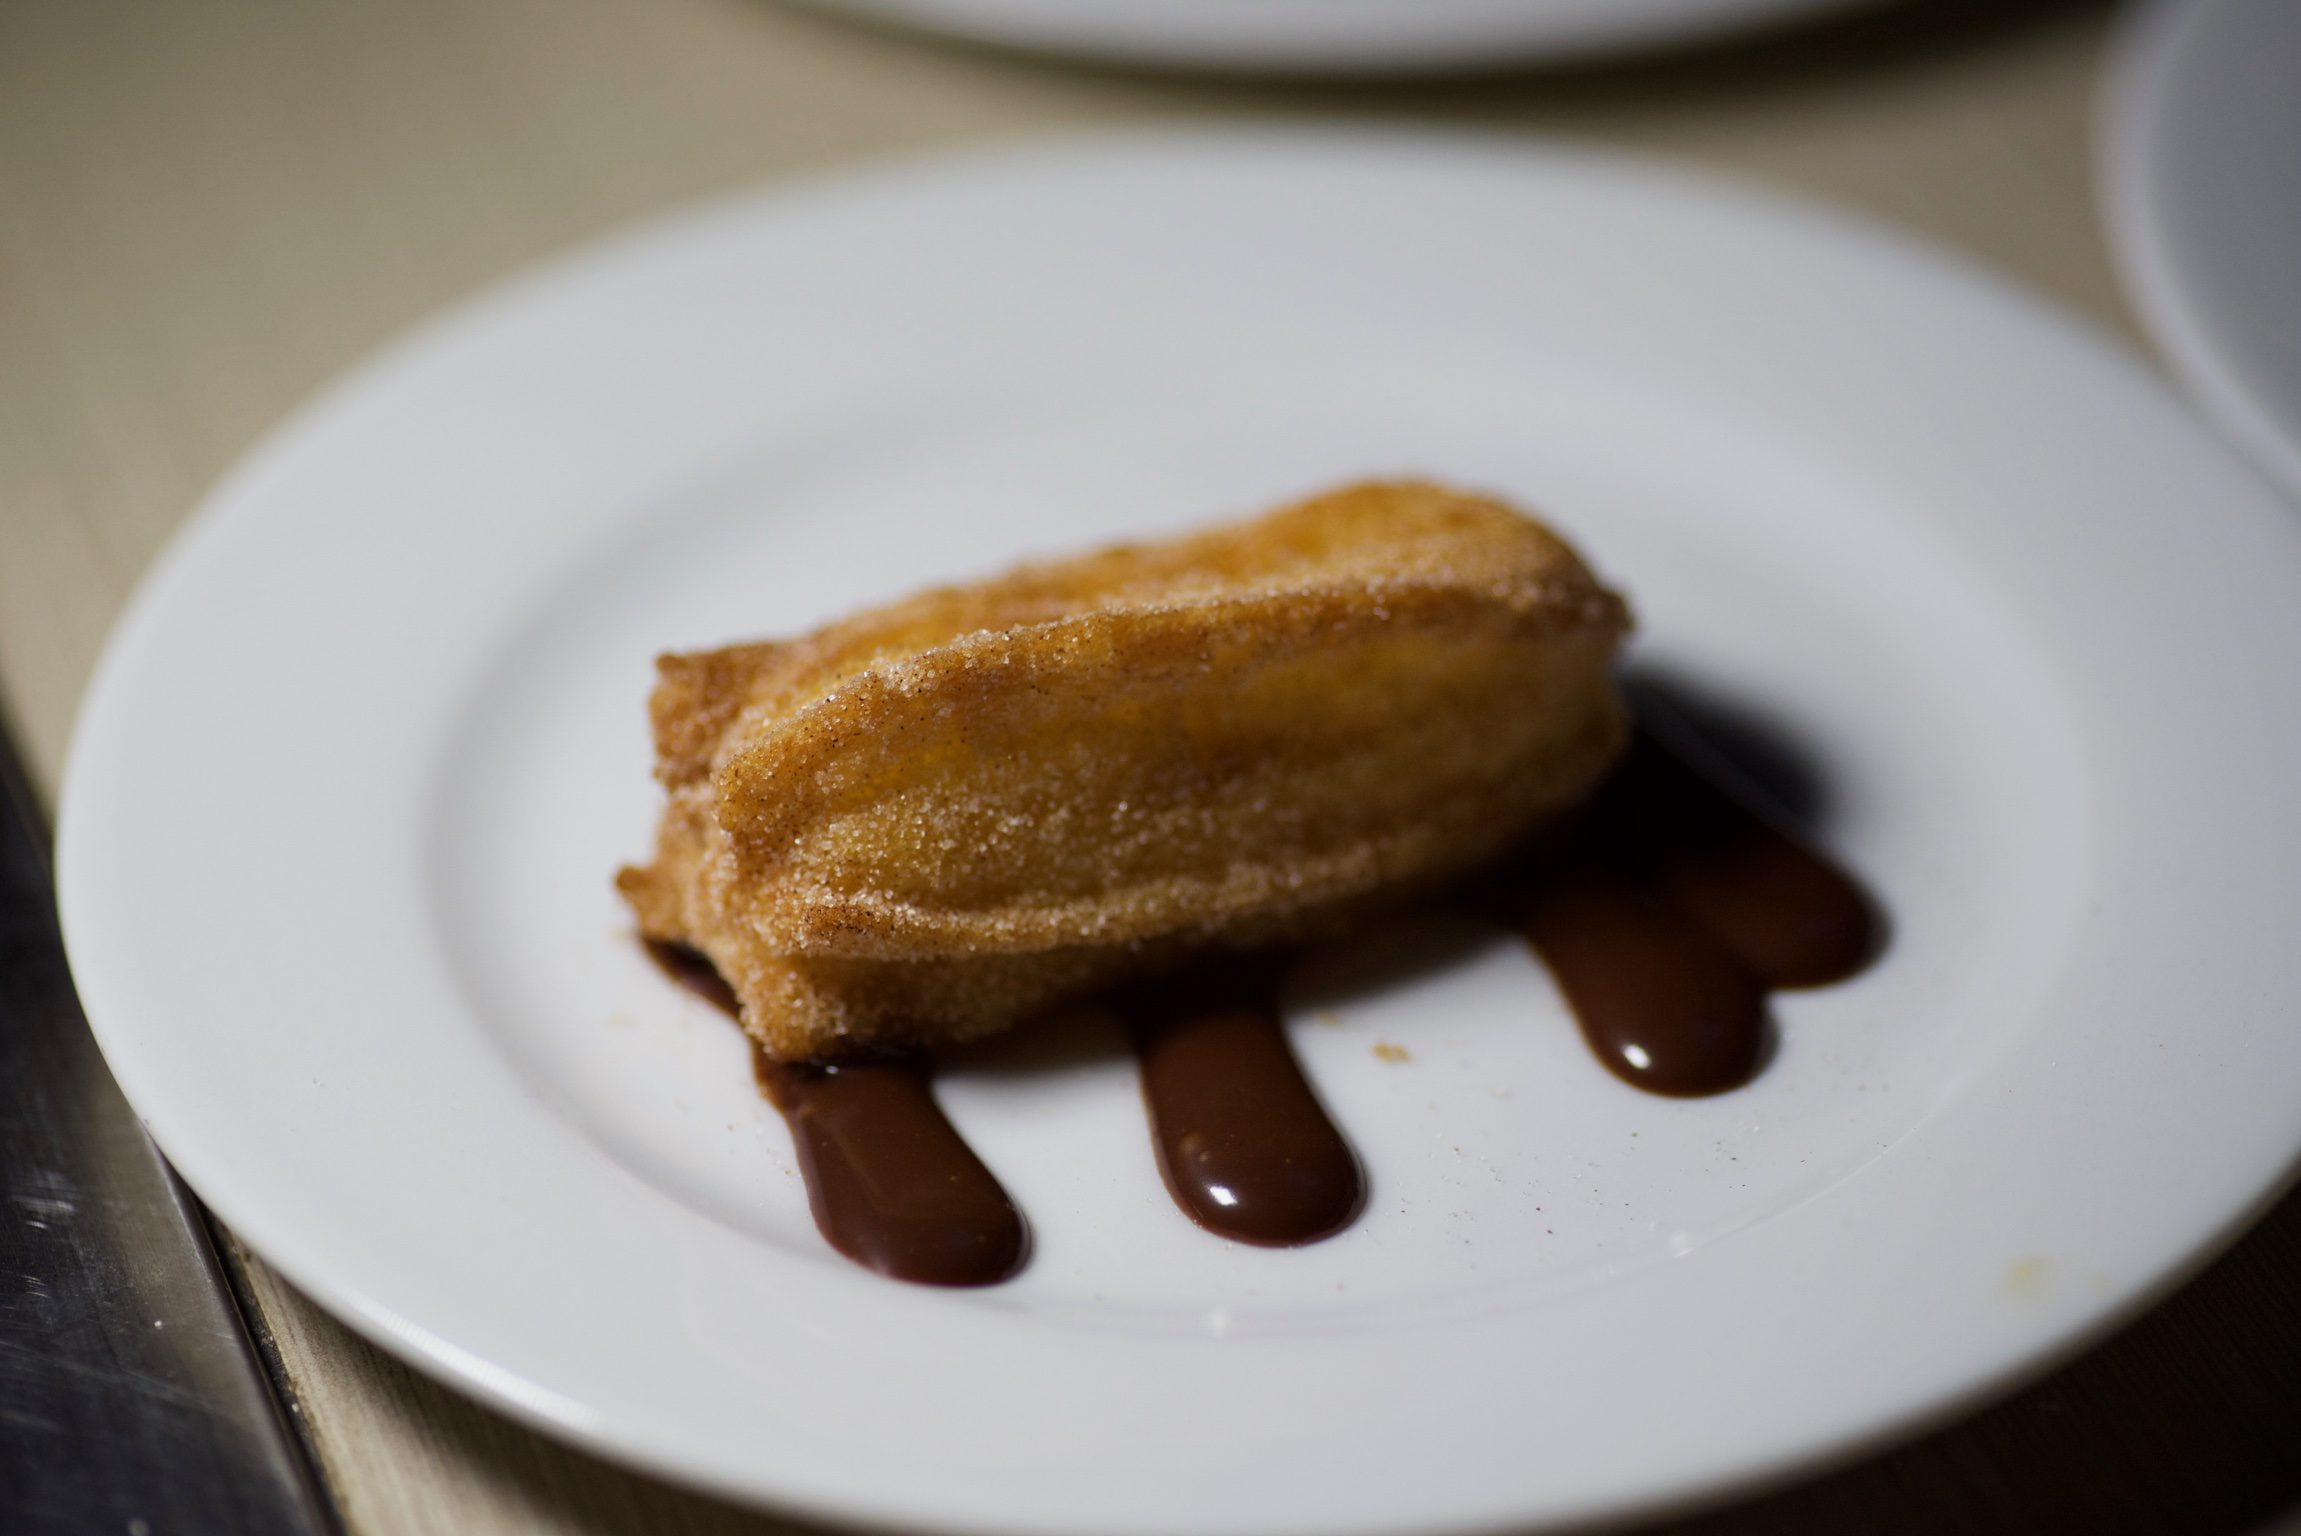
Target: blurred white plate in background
[(2201, 167), (1332, 36), (341, 815)]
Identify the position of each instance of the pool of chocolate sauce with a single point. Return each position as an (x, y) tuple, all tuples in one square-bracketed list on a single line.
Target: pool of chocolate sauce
[(1667, 910)]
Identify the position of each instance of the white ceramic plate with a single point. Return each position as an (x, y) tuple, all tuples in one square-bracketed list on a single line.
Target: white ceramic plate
[(339, 822), (2201, 174), (1367, 37)]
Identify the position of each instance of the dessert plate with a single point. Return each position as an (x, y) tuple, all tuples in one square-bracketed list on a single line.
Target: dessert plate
[(1358, 37), (2203, 189), (1953, 576)]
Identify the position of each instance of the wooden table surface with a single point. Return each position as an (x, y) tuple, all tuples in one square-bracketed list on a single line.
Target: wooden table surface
[(208, 207)]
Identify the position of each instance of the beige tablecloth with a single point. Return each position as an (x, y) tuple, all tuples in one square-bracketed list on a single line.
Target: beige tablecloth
[(207, 207)]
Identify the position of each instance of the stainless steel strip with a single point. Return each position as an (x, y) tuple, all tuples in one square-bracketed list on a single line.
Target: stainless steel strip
[(131, 1399)]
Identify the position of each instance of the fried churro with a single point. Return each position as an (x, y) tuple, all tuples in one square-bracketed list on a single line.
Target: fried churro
[(932, 819)]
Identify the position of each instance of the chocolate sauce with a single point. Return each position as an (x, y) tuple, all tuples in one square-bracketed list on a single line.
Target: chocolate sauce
[(693, 969), (1667, 912), (1794, 918), (1245, 1147), (892, 1184), (1662, 1001)]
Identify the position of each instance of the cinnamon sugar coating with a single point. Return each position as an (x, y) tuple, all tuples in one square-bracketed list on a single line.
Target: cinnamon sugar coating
[(931, 819)]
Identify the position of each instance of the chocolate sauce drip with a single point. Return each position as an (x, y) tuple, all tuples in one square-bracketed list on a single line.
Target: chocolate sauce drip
[(692, 969), (1794, 918), (1246, 1149), (892, 1184), (1669, 909), (1662, 1001)]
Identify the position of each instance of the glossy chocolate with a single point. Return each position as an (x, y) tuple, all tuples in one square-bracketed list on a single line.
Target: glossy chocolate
[(1794, 918), (892, 1184), (1668, 910), (1245, 1147)]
